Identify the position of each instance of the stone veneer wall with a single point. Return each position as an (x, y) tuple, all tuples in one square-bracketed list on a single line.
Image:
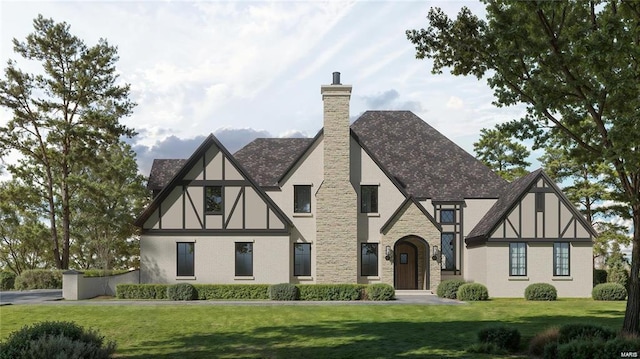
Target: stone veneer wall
[(336, 203), (411, 222)]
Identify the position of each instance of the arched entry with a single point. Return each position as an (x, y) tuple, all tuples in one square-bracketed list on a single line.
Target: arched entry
[(411, 263)]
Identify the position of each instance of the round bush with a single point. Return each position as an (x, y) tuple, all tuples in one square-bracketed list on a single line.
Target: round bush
[(449, 288), (472, 292), (540, 291), (283, 291), (380, 291), (39, 279), (609, 291), (502, 336), (7, 280), (49, 339), (182, 291)]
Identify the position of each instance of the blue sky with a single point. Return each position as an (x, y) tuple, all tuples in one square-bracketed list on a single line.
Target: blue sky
[(254, 69)]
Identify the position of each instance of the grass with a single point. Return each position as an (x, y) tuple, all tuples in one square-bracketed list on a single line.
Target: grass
[(346, 331)]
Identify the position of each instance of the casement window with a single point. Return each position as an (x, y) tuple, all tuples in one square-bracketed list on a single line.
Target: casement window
[(561, 259), (517, 259), (369, 199), (369, 259), (447, 245), (302, 199), (244, 259), (302, 259), (213, 200), (447, 216), (539, 201), (185, 260)]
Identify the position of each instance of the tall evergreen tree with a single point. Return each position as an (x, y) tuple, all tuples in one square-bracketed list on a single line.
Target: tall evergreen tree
[(502, 154)]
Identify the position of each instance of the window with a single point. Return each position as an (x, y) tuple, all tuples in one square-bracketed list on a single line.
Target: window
[(302, 259), (185, 259), (302, 199), (369, 199), (447, 245), (561, 259), (447, 216), (517, 259), (244, 259), (213, 200), (369, 259), (539, 201)]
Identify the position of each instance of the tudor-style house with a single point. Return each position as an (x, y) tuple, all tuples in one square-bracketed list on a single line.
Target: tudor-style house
[(387, 199)]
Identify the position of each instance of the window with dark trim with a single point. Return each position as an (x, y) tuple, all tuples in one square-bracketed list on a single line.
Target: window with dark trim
[(213, 200), (517, 259), (447, 245), (244, 259), (561, 259), (185, 261), (369, 259), (302, 259), (539, 201), (369, 199), (447, 216), (302, 199)]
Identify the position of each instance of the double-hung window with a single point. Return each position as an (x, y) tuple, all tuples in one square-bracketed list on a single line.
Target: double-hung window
[(368, 199), (244, 259), (561, 259), (517, 259), (369, 259), (185, 260), (301, 199), (302, 259)]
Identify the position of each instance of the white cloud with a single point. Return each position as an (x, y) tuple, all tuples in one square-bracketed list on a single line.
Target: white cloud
[(455, 103)]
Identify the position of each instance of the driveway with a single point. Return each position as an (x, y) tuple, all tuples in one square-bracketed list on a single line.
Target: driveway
[(30, 296)]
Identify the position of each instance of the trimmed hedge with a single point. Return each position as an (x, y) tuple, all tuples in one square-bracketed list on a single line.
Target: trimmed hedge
[(540, 291), (331, 291), (472, 292), (7, 280), (283, 291), (90, 273), (599, 276), (51, 339), (502, 336), (232, 291), (141, 291), (182, 291), (380, 291), (39, 279), (609, 291), (449, 288)]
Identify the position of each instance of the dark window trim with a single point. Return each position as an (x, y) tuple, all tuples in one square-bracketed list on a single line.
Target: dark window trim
[(555, 263), (221, 211), (295, 198), (193, 260), (377, 198), (236, 259), (364, 273), (453, 216), (304, 273), (511, 260)]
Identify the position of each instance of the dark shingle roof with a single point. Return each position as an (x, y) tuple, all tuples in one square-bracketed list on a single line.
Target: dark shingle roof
[(267, 159), (162, 171), (420, 157)]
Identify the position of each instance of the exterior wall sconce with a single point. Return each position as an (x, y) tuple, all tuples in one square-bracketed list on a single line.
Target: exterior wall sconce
[(388, 253), (436, 254)]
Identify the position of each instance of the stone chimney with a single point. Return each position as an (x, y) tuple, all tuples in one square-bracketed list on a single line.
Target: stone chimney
[(337, 203)]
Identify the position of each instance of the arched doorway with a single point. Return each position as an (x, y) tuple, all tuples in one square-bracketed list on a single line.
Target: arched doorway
[(411, 263)]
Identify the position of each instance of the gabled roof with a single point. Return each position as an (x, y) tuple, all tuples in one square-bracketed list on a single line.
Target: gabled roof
[(511, 197), (162, 171), (409, 200), (424, 160), (211, 140)]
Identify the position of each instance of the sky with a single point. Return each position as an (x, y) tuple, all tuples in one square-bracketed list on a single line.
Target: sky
[(244, 69)]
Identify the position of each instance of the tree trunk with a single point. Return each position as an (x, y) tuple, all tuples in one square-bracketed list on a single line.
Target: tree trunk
[(631, 324)]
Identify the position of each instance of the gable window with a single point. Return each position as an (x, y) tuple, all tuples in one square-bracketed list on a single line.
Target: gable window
[(369, 259), (517, 259), (185, 259), (244, 259), (447, 216), (447, 243), (302, 259), (561, 259), (539, 201), (213, 200), (369, 199), (302, 199)]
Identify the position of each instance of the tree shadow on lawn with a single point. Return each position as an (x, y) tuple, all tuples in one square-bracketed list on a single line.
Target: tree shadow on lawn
[(354, 339)]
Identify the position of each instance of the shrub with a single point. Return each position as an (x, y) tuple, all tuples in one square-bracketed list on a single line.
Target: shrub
[(542, 339), (380, 291), (618, 274), (182, 291), (570, 332), (609, 291), (232, 291), (540, 291), (49, 339), (580, 349), (331, 291), (7, 280), (39, 279), (449, 288), (599, 276), (472, 292), (614, 347), (502, 336), (283, 291), (486, 348), (141, 291), (89, 273)]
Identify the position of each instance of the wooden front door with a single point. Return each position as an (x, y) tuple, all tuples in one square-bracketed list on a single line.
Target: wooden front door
[(406, 266)]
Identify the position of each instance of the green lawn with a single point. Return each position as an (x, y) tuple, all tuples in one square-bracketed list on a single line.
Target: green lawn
[(344, 331)]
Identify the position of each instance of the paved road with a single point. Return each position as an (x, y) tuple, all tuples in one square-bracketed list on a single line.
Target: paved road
[(30, 296)]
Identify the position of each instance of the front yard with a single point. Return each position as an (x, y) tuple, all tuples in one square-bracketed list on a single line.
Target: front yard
[(310, 331)]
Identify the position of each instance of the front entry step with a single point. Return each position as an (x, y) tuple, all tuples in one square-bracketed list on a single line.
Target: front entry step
[(413, 292)]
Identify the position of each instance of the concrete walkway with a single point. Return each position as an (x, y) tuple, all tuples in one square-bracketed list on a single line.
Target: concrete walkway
[(35, 296)]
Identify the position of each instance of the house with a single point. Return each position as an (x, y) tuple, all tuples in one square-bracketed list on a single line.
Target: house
[(387, 199)]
